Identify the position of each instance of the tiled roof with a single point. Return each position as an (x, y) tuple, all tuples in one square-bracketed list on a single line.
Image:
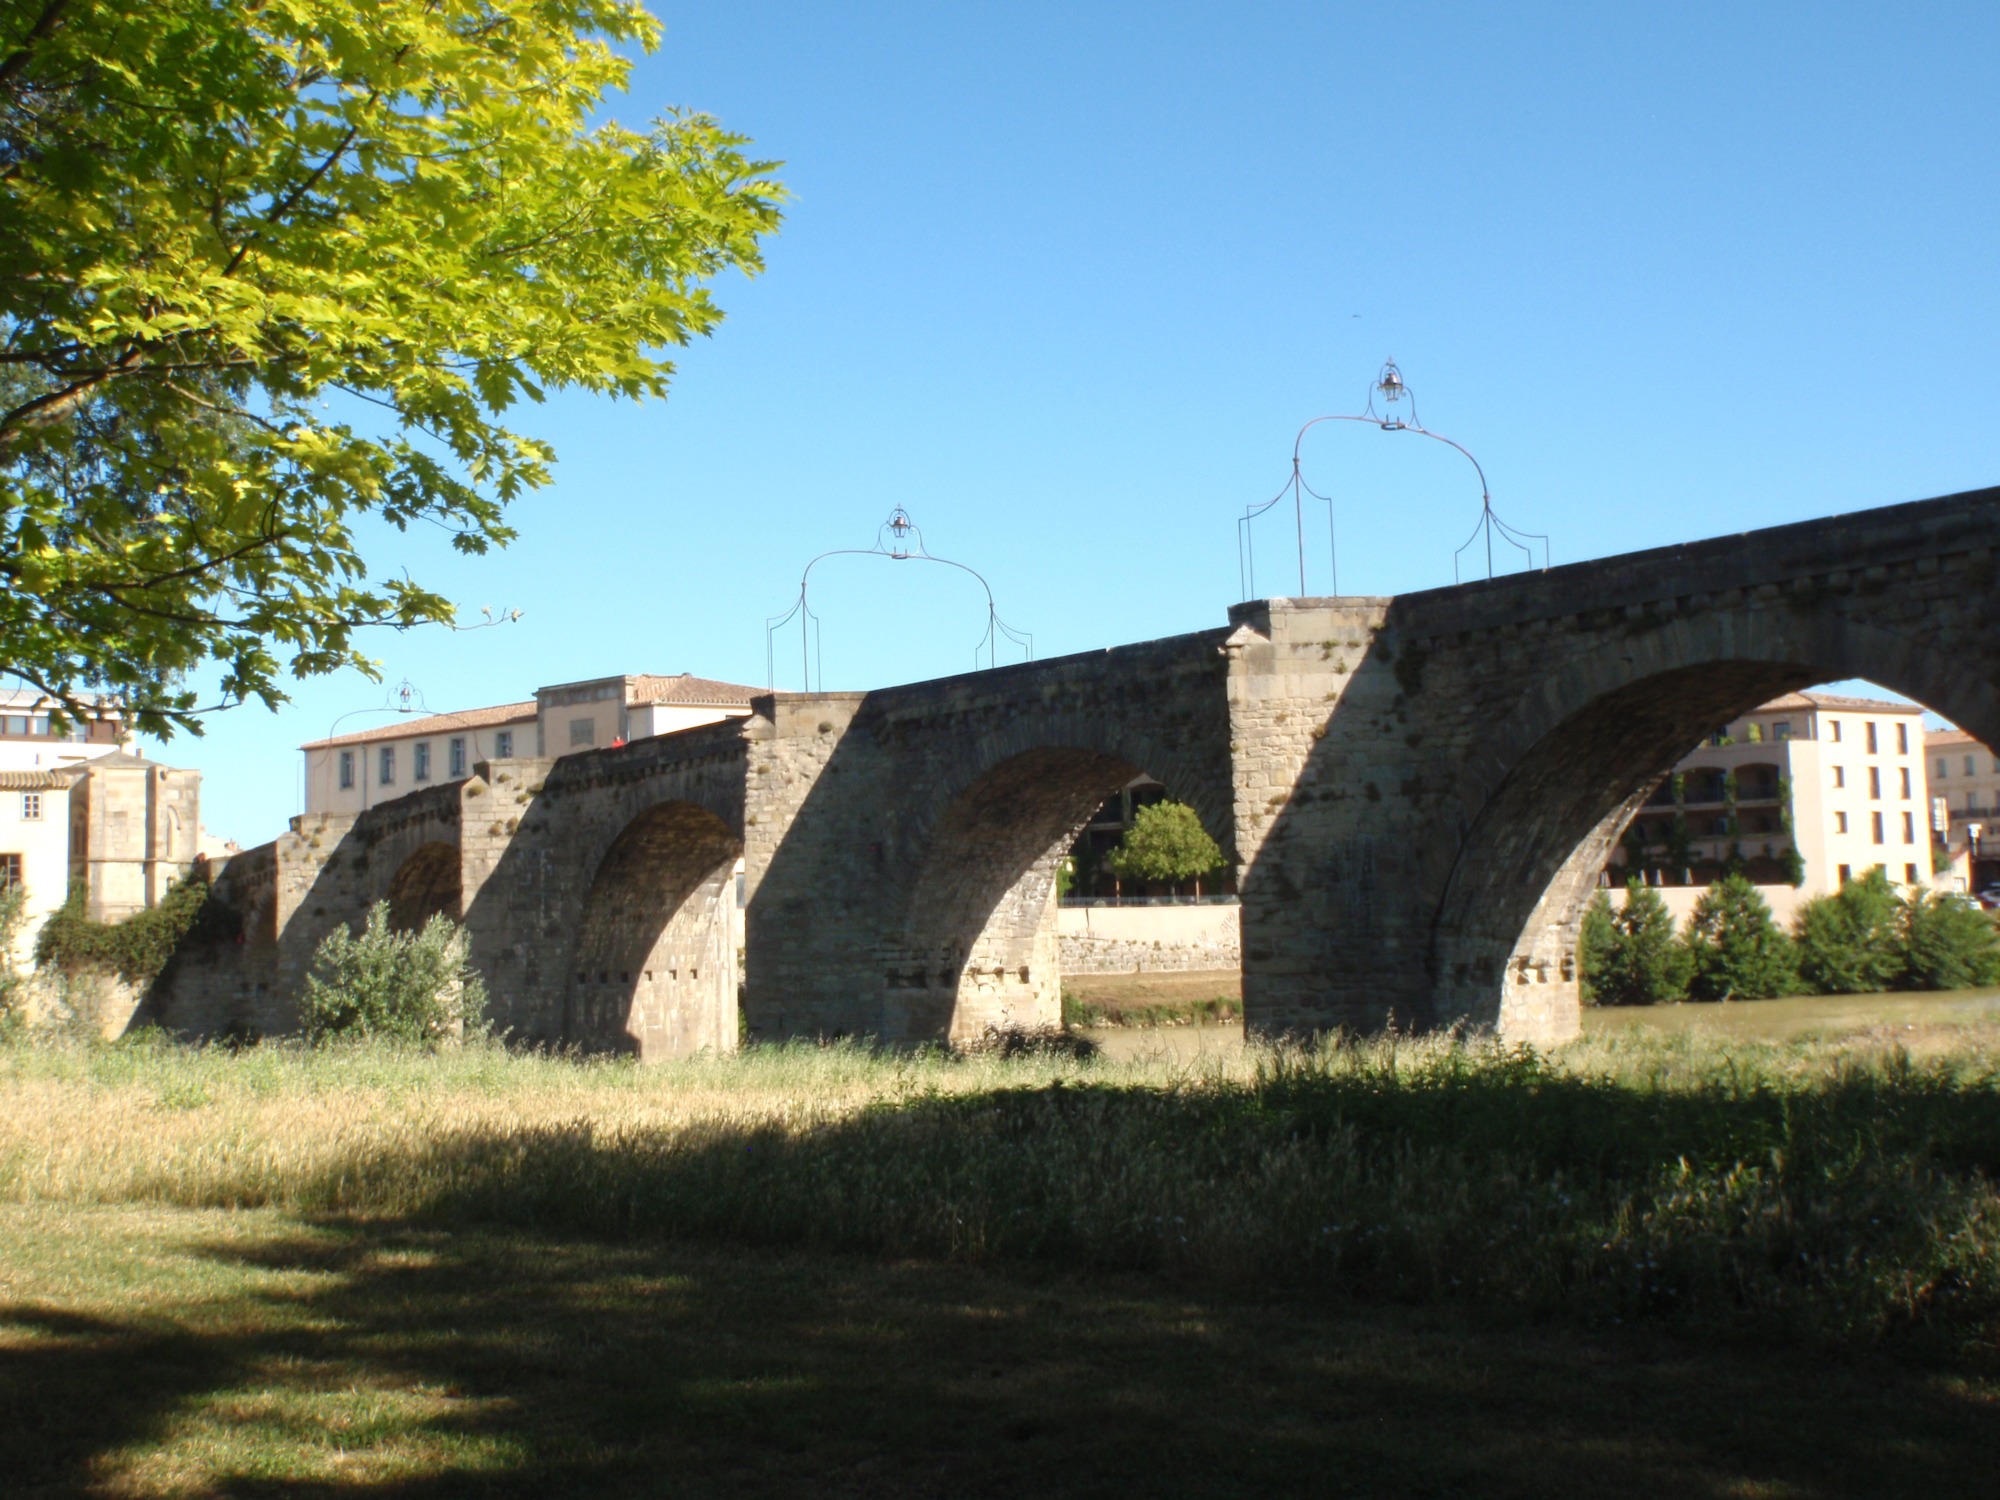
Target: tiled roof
[(1835, 700), (415, 729), (36, 781), (687, 690)]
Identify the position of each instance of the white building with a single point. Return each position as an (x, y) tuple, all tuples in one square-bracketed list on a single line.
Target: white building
[(350, 773), (1839, 782)]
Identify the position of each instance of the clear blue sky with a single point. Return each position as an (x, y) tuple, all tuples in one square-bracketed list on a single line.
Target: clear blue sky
[(1065, 279)]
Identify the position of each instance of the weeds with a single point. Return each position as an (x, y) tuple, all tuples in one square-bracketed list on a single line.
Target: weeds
[(1846, 1191), (1078, 1010)]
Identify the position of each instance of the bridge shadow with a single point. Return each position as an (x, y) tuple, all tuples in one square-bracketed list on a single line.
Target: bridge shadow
[(572, 1315)]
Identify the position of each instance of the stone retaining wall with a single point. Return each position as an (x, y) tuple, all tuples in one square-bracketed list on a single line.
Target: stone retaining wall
[(1151, 939)]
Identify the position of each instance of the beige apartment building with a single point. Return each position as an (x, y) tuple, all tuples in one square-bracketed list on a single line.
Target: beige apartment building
[(1815, 785), (350, 773)]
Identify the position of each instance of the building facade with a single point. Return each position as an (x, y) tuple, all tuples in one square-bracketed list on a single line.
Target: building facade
[(350, 773), (1802, 794), (1965, 806), (76, 807)]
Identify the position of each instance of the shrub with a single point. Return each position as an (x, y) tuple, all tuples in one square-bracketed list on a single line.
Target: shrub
[(135, 949), (13, 907), (414, 986), (1644, 964), (1948, 943), (1736, 949), (1849, 943)]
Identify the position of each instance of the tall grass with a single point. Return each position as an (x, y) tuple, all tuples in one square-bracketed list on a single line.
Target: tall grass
[(1845, 1189)]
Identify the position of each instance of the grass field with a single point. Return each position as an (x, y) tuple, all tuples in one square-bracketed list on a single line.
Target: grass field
[(1650, 1264), (1936, 1017), (1166, 997)]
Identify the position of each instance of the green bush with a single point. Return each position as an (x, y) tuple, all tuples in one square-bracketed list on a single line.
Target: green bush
[(1643, 963), (13, 905), (1736, 949), (414, 986), (135, 949), (1851, 943), (1948, 943)]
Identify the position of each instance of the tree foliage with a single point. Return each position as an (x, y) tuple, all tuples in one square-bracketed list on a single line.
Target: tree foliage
[(1736, 949), (1849, 943), (413, 986), (1166, 842), (1597, 939), (1643, 962), (1948, 943), (218, 216)]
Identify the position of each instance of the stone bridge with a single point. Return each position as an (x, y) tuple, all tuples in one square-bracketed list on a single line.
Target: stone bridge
[(1417, 793)]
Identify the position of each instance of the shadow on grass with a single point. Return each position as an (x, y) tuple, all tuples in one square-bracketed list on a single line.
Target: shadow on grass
[(1850, 1207), (350, 1359)]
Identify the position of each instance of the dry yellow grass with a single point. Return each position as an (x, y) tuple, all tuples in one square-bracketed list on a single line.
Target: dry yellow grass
[(153, 1122)]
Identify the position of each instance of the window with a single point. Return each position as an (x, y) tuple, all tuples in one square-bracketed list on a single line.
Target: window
[(420, 761), (1902, 739), (346, 769), (1875, 781), (1875, 822), (31, 807), (1906, 782), (1870, 731), (503, 745), (455, 755), (1846, 874), (1909, 828), (1840, 822), (1840, 776), (1943, 768), (1834, 725), (10, 870), (386, 770), (1909, 874), (583, 731), (1782, 730)]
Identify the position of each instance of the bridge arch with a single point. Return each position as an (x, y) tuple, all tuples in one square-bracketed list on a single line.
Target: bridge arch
[(1560, 777), (978, 947), (653, 968), (426, 884)]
